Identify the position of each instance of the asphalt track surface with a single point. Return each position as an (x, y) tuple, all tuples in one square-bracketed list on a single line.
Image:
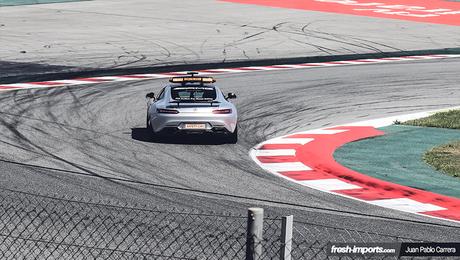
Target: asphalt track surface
[(95, 135), (110, 34)]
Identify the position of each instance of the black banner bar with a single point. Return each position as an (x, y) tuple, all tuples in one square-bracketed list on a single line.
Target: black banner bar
[(394, 249), (430, 249)]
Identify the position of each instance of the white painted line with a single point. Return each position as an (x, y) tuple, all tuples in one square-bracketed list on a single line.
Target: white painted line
[(323, 64), (381, 122), (202, 73), (290, 66), (329, 184), (349, 62), (228, 70), (285, 167), (152, 75), (73, 82), (396, 58), (370, 61), (321, 132), (114, 78), (255, 68), (450, 55), (24, 85), (423, 57), (175, 73), (41, 86), (275, 152), (405, 204), (301, 141)]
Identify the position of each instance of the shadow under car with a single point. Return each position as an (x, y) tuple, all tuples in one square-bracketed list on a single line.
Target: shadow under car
[(144, 135)]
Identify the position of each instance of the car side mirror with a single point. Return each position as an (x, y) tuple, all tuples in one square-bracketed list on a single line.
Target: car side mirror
[(231, 95), (150, 95)]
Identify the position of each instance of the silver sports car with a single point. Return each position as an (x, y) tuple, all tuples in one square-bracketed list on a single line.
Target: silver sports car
[(192, 104)]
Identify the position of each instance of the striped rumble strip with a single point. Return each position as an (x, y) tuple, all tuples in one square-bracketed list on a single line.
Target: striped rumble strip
[(306, 158), (148, 76)]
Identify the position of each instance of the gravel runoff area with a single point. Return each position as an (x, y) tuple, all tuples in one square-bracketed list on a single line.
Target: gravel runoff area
[(99, 34)]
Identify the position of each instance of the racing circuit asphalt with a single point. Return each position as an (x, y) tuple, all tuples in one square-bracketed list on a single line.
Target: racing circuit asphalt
[(95, 134)]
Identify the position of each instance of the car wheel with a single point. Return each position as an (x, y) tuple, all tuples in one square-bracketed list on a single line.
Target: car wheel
[(153, 136), (233, 137)]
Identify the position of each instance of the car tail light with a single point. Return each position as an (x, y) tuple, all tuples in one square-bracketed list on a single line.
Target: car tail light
[(167, 111), (222, 111)]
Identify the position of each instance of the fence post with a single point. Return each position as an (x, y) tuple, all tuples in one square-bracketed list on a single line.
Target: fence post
[(254, 233), (286, 237)]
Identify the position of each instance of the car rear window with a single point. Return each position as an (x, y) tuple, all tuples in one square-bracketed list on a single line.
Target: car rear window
[(193, 93)]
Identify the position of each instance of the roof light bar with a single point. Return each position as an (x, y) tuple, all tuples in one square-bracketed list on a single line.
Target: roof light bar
[(192, 78)]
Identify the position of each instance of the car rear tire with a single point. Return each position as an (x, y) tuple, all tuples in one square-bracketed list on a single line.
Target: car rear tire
[(147, 124), (153, 136), (233, 137)]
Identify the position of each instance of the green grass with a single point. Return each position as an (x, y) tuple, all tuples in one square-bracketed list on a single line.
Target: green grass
[(449, 119), (446, 157)]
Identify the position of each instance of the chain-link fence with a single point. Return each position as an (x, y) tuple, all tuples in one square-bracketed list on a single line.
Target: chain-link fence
[(41, 227), (311, 240)]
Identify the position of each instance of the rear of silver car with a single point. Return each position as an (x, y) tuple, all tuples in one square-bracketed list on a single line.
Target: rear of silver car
[(194, 118), (173, 113)]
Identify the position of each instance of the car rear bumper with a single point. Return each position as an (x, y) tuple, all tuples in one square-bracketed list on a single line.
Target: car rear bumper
[(212, 124)]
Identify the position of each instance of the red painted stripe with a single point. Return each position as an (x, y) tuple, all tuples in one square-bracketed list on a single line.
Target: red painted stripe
[(248, 68), (93, 79), (212, 71), (450, 214), (374, 193), (9, 87), (278, 67), (279, 146), (426, 11), (134, 77), (276, 159), (307, 175), (363, 61), (310, 65), (399, 58), (337, 62), (46, 83)]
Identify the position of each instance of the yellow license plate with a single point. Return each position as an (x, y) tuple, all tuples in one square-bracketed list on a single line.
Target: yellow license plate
[(195, 126)]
